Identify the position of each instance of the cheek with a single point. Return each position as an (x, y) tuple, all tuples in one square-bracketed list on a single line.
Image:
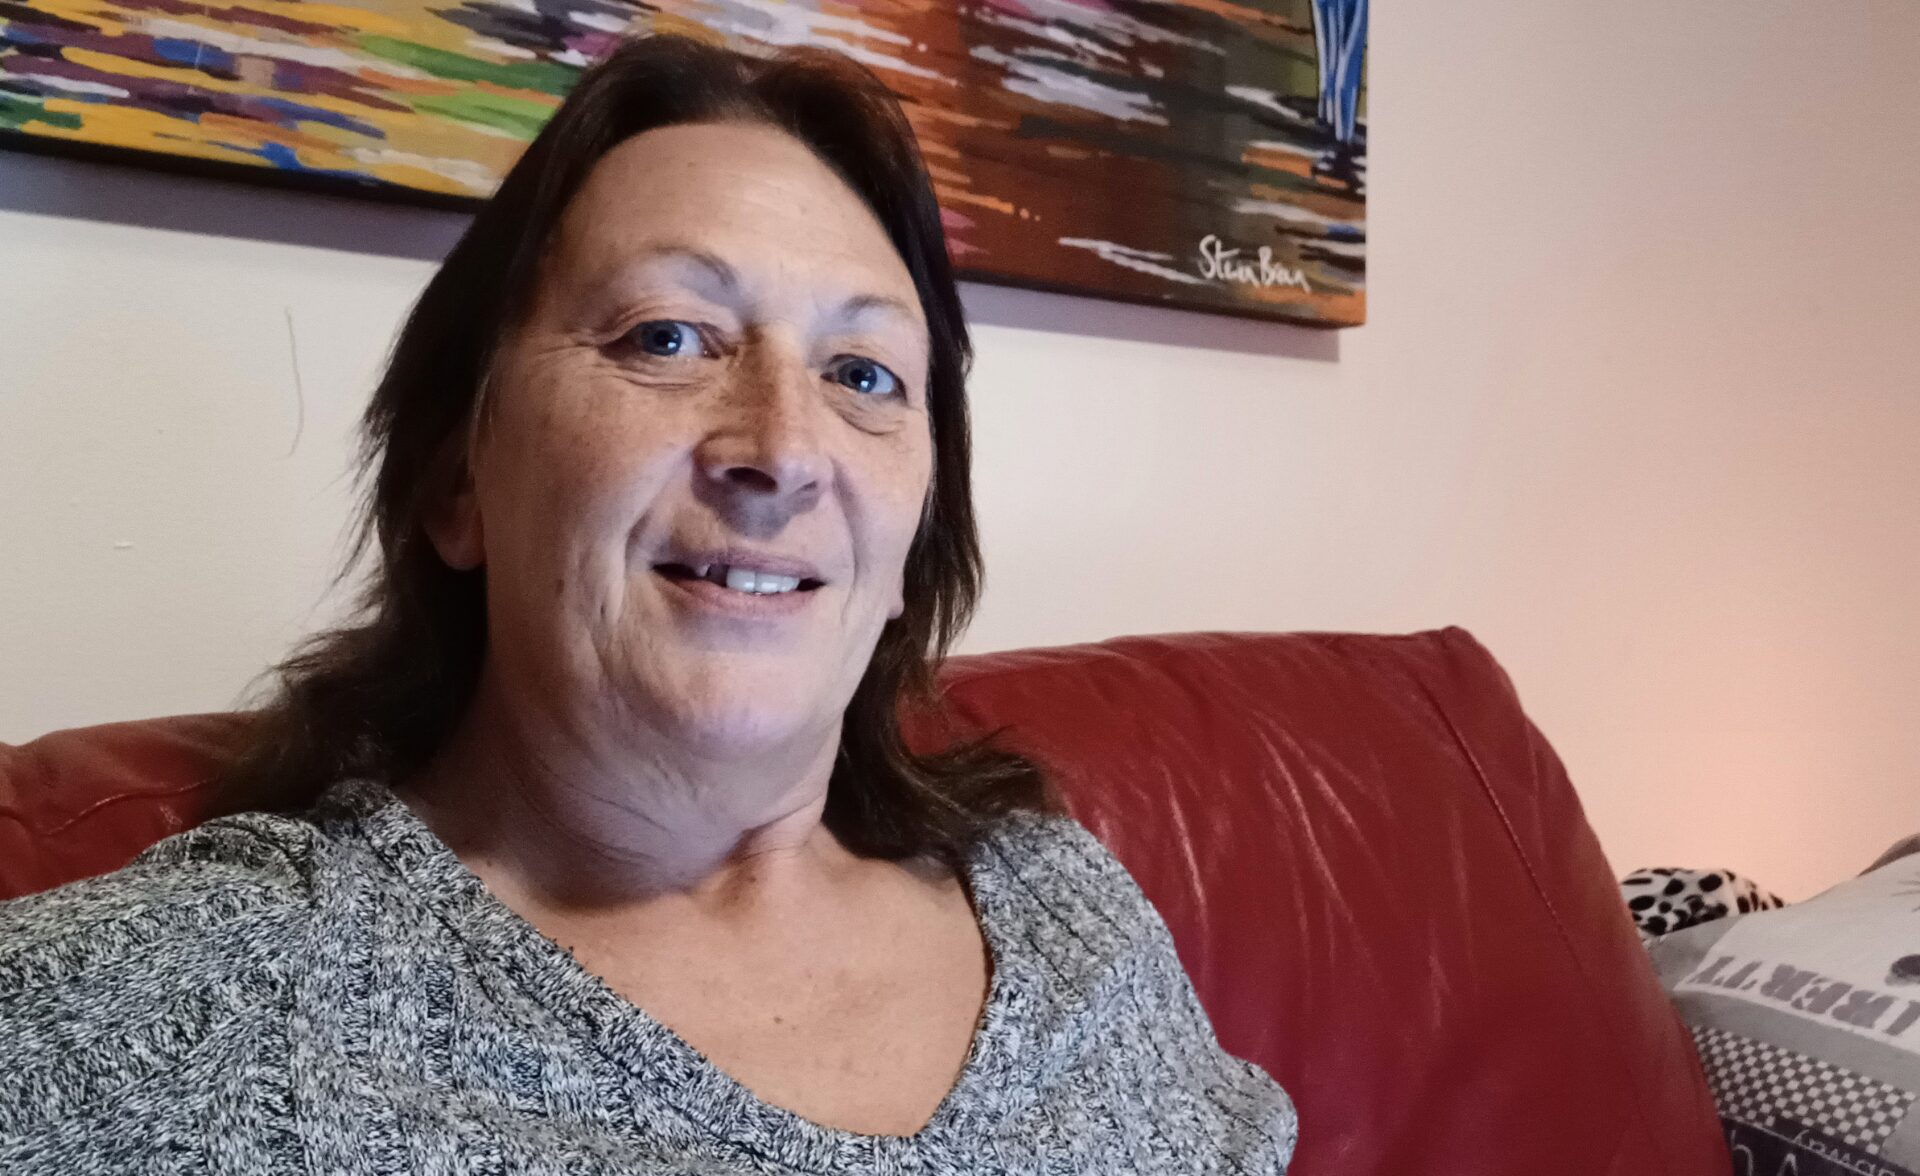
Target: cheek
[(899, 498), (567, 473)]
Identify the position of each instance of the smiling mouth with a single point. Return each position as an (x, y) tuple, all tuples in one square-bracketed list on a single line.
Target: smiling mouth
[(743, 580)]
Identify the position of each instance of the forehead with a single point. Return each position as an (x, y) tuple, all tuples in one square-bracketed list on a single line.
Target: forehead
[(751, 195)]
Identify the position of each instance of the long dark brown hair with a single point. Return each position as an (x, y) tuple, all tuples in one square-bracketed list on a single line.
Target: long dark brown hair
[(379, 696)]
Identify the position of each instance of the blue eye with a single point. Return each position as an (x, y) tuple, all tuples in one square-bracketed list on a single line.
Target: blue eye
[(667, 337), (864, 376)]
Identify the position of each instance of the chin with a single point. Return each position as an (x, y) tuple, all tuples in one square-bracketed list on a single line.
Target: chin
[(738, 703), (744, 724)]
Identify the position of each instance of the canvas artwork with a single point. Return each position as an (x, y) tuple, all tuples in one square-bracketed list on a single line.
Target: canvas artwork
[(1202, 153)]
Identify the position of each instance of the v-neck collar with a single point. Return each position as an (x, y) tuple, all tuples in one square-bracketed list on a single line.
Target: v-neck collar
[(992, 1082)]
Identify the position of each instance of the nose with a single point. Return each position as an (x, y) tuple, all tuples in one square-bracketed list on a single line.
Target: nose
[(765, 449)]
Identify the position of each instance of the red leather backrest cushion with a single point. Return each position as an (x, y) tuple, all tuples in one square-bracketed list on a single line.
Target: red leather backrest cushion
[(1384, 889), (84, 801), (1374, 867)]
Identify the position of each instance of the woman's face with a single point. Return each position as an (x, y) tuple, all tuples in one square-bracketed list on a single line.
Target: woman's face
[(705, 454)]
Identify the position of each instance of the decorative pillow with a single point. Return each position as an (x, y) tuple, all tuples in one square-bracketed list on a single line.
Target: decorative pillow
[(1807, 1019), (1668, 899)]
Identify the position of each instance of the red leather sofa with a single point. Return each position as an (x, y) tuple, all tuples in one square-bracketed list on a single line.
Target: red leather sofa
[(1374, 866)]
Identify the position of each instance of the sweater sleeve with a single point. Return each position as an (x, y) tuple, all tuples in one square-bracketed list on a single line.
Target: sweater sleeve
[(114, 990)]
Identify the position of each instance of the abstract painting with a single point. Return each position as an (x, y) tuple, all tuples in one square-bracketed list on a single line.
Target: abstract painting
[(1209, 154)]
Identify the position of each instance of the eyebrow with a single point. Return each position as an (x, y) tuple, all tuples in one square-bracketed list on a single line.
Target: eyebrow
[(722, 274), (727, 283), (860, 304)]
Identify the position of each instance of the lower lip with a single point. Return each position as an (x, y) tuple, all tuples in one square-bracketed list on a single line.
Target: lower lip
[(711, 597)]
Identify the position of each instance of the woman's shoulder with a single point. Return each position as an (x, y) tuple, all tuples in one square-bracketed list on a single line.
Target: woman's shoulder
[(1096, 970), (1058, 879), (123, 997), (247, 851), (1054, 842), (190, 905)]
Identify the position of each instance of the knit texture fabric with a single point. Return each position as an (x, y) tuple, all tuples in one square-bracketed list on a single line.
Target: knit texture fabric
[(336, 993)]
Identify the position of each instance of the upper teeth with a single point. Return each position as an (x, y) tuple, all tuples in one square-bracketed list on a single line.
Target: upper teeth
[(748, 580)]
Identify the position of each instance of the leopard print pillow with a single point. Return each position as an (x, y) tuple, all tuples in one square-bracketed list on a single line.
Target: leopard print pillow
[(1666, 899)]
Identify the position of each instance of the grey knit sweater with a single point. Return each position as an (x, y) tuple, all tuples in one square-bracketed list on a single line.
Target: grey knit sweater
[(337, 994)]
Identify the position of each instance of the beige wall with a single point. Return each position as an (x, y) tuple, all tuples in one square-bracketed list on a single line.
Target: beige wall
[(1639, 404)]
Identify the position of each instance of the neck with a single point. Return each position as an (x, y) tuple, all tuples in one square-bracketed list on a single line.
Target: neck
[(572, 824)]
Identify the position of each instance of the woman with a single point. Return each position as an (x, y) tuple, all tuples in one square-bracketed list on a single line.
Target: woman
[(605, 853)]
